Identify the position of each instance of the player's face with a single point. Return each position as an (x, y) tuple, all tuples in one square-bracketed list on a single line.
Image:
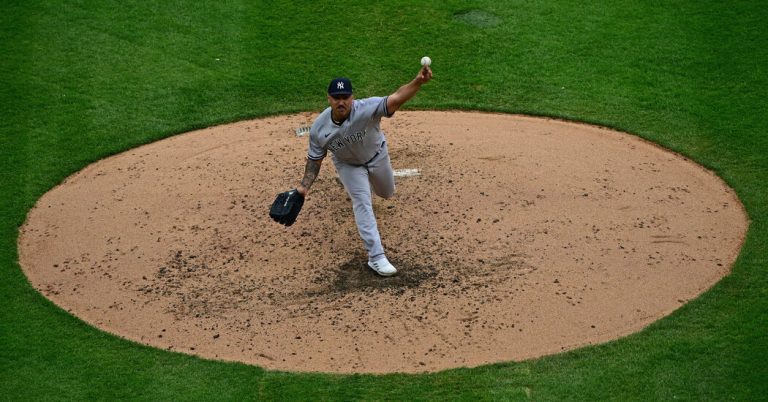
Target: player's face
[(341, 105)]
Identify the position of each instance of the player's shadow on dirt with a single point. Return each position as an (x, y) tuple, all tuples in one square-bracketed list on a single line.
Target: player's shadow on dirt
[(355, 276)]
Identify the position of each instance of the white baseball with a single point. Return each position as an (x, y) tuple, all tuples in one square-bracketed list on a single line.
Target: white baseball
[(425, 61)]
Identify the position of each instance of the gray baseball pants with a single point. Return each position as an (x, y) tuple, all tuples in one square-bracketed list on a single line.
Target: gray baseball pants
[(358, 181)]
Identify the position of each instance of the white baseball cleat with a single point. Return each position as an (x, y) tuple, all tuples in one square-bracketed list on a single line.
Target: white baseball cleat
[(382, 267)]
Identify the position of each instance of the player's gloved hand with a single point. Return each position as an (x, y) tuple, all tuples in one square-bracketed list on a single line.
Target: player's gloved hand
[(286, 207)]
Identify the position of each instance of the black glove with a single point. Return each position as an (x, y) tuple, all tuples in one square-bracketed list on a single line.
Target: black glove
[(286, 207)]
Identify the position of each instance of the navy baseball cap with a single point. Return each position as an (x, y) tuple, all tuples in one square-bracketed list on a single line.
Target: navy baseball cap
[(340, 86)]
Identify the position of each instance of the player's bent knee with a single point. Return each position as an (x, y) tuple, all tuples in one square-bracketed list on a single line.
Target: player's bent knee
[(386, 195)]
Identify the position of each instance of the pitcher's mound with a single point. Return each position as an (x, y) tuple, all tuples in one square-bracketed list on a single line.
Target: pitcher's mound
[(518, 237)]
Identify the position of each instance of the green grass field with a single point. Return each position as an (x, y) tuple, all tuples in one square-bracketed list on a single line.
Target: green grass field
[(80, 80)]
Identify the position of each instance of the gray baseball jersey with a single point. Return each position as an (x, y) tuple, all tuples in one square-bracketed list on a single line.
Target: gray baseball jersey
[(357, 140)]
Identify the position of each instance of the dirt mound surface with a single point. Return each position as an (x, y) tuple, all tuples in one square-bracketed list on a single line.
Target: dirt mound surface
[(515, 237)]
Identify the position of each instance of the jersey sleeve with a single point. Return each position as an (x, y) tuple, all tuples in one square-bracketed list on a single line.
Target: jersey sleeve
[(379, 105), (315, 151)]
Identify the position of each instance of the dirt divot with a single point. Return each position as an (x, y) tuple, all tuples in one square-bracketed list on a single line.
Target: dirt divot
[(519, 237)]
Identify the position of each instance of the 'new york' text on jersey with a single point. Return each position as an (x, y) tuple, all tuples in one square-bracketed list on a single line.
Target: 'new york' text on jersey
[(357, 140)]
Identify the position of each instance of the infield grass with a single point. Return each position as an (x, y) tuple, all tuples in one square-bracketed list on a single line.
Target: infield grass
[(80, 80)]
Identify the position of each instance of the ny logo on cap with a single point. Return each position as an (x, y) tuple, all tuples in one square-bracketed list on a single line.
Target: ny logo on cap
[(339, 85)]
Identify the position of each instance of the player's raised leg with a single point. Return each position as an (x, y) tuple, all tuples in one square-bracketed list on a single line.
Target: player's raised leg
[(381, 174)]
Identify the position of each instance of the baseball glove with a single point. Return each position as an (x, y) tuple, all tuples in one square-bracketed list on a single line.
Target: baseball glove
[(286, 207)]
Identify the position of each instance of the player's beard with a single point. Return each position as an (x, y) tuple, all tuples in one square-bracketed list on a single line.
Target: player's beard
[(340, 113)]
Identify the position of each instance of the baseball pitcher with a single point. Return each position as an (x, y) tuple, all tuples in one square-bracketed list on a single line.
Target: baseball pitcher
[(350, 129)]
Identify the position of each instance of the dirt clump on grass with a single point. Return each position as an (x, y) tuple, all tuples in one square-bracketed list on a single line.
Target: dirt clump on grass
[(517, 237)]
